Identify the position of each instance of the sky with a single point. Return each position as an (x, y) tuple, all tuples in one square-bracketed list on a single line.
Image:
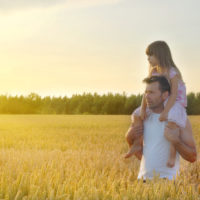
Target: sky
[(66, 47)]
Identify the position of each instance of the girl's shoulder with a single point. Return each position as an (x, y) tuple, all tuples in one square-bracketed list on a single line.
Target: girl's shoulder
[(172, 72)]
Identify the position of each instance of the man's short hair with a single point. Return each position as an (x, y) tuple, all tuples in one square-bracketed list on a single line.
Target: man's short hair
[(163, 82)]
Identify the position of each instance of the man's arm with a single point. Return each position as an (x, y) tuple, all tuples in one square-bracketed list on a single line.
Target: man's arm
[(183, 141)]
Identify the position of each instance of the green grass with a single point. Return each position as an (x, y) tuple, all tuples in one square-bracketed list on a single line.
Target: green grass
[(80, 157)]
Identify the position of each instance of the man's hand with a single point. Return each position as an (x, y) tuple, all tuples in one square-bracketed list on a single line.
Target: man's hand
[(172, 135)]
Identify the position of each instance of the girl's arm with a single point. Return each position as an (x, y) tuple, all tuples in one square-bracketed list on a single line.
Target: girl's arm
[(173, 94), (144, 104)]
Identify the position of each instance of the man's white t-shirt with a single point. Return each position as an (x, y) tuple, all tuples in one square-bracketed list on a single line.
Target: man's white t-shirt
[(156, 150)]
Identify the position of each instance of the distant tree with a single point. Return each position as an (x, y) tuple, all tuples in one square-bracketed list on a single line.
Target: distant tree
[(86, 103)]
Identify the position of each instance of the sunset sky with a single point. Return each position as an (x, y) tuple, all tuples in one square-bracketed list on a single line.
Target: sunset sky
[(64, 47)]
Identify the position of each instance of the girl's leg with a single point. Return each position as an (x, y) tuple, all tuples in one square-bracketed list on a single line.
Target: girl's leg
[(134, 145), (129, 136), (172, 154)]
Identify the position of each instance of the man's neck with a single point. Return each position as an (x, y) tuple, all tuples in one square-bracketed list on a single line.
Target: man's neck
[(158, 110)]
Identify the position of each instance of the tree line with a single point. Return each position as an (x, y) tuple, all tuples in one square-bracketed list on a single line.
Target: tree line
[(86, 103)]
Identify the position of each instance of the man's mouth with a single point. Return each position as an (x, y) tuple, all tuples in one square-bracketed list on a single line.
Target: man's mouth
[(149, 103)]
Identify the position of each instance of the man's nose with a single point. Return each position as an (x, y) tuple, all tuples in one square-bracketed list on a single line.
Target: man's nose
[(148, 96)]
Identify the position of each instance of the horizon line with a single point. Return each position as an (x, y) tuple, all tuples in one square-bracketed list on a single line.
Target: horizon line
[(81, 94)]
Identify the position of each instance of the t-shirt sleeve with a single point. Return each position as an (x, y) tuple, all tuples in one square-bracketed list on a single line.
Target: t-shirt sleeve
[(172, 73)]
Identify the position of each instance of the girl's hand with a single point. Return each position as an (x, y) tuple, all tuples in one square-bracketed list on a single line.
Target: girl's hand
[(143, 114), (163, 116)]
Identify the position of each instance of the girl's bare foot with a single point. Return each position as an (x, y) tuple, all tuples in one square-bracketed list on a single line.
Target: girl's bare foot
[(170, 163), (132, 151), (138, 155), (129, 153)]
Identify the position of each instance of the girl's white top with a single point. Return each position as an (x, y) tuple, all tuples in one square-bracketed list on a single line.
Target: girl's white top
[(156, 150)]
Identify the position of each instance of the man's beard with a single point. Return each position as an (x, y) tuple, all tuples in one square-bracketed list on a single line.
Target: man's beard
[(153, 106)]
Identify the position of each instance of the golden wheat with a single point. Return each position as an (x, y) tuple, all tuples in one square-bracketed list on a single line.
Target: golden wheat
[(80, 157)]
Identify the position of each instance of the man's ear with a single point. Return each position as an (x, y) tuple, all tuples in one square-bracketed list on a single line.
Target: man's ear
[(165, 95)]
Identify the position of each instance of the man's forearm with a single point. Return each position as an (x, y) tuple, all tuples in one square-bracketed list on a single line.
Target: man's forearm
[(188, 153)]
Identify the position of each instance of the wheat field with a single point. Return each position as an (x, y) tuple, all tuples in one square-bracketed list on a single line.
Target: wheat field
[(65, 157)]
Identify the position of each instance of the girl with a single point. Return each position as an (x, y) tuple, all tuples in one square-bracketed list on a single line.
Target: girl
[(161, 63)]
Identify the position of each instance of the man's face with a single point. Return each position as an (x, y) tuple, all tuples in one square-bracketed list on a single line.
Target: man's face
[(154, 97)]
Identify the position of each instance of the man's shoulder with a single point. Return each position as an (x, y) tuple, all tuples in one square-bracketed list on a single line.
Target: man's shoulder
[(153, 120), (152, 116)]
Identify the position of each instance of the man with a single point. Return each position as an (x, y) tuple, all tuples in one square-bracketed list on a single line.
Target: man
[(157, 136)]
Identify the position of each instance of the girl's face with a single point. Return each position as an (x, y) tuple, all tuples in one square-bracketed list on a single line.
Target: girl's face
[(153, 61)]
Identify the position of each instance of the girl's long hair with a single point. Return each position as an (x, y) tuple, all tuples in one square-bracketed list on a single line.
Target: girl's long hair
[(162, 52)]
